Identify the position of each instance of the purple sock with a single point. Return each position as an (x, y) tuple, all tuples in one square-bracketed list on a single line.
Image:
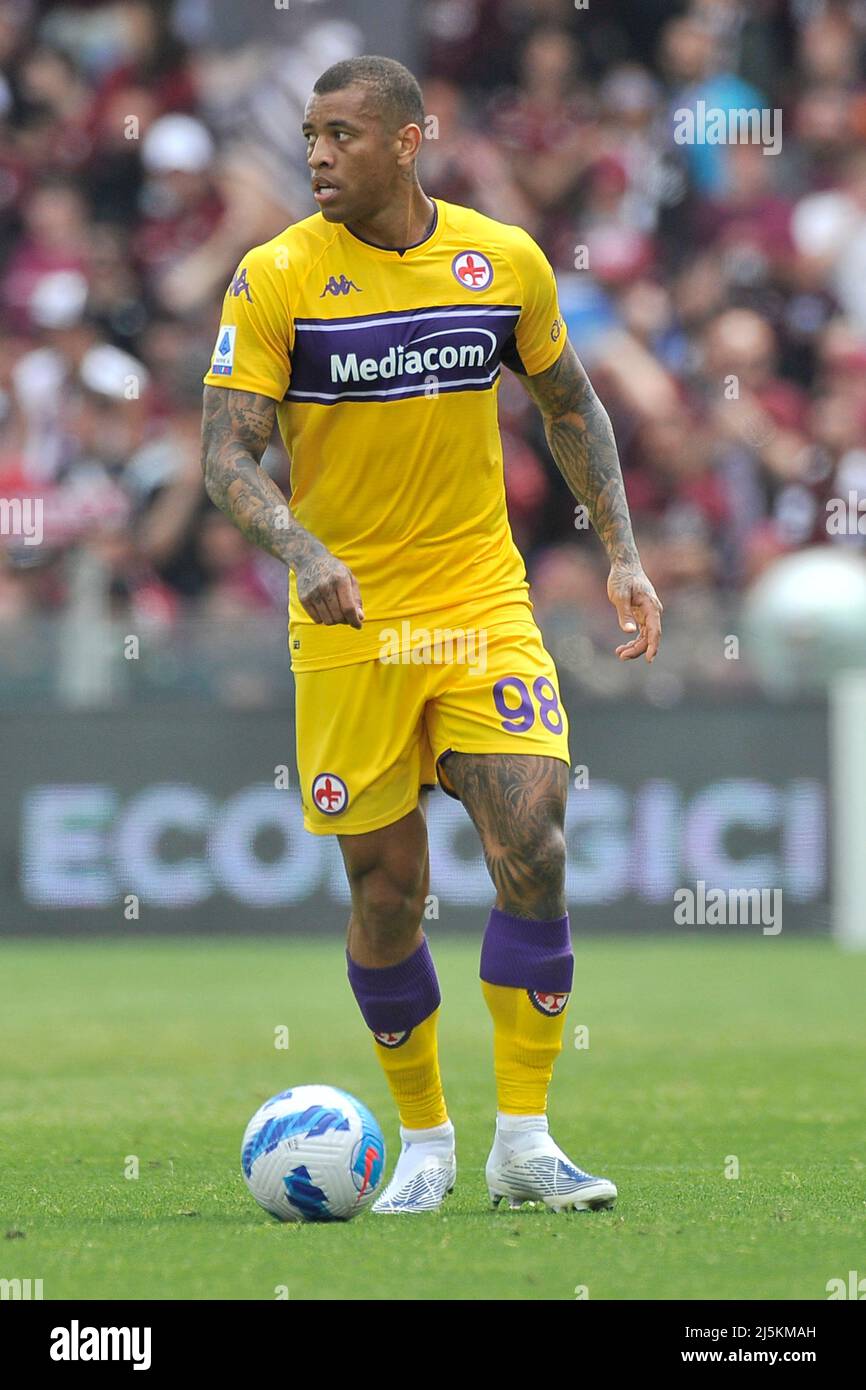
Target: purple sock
[(394, 998), (526, 954)]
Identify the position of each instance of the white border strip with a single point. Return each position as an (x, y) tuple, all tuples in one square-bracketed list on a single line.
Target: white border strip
[(848, 782), (349, 326)]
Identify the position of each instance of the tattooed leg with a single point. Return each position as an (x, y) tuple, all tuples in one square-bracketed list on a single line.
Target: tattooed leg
[(517, 804)]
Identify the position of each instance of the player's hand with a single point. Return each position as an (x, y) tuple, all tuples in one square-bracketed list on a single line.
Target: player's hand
[(328, 591), (638, 609)]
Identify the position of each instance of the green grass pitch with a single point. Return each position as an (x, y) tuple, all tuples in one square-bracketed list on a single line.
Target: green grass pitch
[(699, 1053)]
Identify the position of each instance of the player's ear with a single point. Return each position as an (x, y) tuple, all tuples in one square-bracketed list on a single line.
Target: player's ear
[(409, 143)]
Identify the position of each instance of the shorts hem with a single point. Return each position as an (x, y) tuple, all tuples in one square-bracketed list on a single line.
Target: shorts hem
[(377, 822), (493, 753)]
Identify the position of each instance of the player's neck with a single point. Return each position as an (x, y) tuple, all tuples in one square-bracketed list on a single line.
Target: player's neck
[(401, 224)]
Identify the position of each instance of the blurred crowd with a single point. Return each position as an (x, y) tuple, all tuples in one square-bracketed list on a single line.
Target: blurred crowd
[(716, 292)]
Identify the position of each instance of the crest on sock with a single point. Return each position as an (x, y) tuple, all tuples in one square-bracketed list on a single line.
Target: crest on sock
[(547, 1003), (392, 1039)]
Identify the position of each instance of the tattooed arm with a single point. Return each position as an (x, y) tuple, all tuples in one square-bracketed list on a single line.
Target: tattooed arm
[(236, 429), (581, 440)]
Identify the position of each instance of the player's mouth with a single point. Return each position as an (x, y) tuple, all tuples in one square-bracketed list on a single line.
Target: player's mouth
[(323, 191)]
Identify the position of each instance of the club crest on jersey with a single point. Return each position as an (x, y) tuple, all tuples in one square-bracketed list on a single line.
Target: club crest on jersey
[(330, 794), (337, 287), (547, 1003), (472, 270), (392, 1039)]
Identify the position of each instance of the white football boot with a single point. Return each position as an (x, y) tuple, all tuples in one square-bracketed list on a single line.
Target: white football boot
[(425, 1174), (525, 1165)]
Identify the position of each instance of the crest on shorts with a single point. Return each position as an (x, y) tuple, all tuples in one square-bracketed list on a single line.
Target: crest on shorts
[(547, 1003), (330, 794)]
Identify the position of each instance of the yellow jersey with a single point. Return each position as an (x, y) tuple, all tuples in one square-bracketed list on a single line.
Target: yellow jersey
[(385, 367)]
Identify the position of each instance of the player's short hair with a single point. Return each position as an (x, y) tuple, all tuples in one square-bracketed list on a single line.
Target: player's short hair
[(396, 92)]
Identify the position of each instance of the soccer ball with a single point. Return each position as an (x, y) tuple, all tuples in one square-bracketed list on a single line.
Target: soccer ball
[(313, 1154)]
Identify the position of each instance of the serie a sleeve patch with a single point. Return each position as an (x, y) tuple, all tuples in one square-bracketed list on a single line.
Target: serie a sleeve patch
[(224, 350)]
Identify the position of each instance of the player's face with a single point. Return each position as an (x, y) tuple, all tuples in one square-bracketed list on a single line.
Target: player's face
[(353, 159)]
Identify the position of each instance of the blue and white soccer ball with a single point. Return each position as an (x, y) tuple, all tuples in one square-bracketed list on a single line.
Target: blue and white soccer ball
[(313, 1154)]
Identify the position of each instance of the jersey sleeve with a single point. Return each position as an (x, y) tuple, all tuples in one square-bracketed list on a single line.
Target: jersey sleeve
[(540, 333), (254, 343)]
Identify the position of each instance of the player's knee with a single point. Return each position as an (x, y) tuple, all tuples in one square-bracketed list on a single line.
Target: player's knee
[(543, 855), (555, 852), (388, 904), (545, 850)]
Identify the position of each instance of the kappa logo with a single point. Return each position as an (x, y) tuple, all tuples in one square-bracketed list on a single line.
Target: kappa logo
[(330, 794), (341, 286), (392, 1039), (472, 270), (240, 285), (546, 1003)]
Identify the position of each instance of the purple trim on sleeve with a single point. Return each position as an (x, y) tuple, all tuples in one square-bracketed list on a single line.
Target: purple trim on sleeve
[(526, 954), (393, 998)]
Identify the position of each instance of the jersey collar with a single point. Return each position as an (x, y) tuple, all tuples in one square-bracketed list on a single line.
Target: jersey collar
[(406, 253)]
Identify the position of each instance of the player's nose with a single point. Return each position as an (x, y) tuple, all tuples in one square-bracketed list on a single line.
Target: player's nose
[(318, 156)]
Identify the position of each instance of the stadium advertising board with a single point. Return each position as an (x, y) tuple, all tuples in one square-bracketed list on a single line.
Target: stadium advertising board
[(191, 822)]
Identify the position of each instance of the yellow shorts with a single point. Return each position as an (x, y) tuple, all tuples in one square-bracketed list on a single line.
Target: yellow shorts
[(370, 735)]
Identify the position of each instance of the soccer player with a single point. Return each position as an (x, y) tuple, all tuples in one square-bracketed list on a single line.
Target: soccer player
[(374, 333)]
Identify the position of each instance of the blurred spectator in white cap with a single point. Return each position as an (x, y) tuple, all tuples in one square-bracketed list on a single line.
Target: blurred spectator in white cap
[(107, 371), (829, 232), (254, 210), (177, 143), (55, 237), (632, 120), (57, 309), (58, 299), (180, 204)]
